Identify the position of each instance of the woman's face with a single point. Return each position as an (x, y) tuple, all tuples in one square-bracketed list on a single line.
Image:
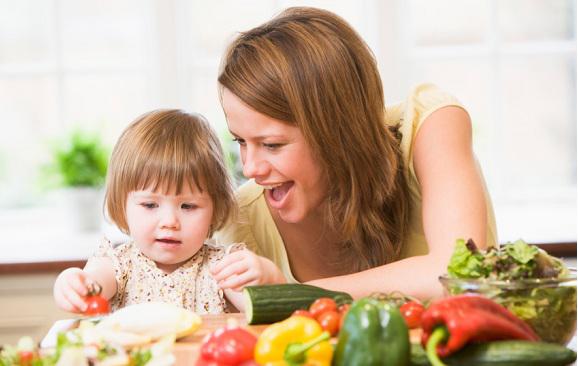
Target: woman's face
[(276, 155)]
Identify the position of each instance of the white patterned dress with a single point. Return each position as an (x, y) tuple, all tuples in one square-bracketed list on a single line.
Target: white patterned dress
[(190, 286)]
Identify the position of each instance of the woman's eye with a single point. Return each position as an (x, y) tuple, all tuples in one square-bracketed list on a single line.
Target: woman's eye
[(149, 205), (239, 141), (188, 206), (272, 146)]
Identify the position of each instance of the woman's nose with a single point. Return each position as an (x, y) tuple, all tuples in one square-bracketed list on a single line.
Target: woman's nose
[(253, 164)]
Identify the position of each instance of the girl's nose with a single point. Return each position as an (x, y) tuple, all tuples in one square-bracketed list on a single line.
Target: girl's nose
[(169, 220)]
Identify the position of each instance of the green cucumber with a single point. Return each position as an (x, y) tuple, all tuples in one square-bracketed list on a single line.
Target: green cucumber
[(272, 303), (503, 353)]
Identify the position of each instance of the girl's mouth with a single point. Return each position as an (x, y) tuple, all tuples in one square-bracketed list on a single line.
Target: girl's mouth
[(169, 241)]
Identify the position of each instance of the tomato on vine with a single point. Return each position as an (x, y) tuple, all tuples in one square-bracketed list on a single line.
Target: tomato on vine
[(96, 303), (411, 312)]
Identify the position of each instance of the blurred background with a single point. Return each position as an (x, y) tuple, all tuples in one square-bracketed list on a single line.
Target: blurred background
[(89, 67)]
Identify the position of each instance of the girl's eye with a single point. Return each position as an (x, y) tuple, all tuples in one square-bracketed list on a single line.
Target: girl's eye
[(188, 206), (239, 141), (149, 205)]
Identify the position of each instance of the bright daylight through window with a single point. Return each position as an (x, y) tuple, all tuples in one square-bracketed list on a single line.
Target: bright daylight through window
[(94, 66)]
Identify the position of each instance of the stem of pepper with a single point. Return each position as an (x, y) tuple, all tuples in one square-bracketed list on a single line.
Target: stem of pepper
[(295, 352), (439, 335)]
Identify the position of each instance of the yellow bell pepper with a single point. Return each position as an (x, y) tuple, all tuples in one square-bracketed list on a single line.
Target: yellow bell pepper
[(297, 340)]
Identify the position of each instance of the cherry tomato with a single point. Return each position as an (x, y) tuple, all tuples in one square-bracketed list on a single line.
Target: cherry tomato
[(322, 305), (25, 357), (411, 312), (329, 321), (343, 309), (301, 312), (96, 304)]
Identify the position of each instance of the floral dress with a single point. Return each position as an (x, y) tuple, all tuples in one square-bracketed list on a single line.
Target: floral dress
[(190, 286)]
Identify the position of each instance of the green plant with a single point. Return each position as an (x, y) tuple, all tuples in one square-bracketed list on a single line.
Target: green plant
[(79, 161)]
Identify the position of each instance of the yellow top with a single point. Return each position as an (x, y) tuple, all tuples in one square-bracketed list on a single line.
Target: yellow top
[(255, 225)]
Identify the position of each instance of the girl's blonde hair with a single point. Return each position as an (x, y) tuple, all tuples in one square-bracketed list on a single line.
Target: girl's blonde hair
[(309, 68), (163, 150)]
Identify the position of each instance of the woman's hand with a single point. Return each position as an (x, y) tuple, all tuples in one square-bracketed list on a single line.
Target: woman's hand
[(245, 268), (70, 289)]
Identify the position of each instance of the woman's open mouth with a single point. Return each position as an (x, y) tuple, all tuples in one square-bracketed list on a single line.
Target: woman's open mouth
[(278, 194)]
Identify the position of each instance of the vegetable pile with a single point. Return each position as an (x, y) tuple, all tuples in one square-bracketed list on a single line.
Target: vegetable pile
[(136, 335), (524, 279)]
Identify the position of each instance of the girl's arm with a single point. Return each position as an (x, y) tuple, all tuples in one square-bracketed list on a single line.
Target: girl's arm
[(70, 287), (101, 270), (453, 206)]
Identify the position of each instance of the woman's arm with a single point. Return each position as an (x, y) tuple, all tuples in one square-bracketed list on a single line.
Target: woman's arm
[(453, 206)]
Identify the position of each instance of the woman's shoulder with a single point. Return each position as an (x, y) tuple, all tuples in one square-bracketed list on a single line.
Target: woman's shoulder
[(427, 98)]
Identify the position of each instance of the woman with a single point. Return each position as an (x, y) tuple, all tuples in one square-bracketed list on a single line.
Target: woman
[(346, 193)]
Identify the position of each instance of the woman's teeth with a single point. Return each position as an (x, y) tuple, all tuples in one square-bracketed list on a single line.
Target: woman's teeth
[(272, 186)]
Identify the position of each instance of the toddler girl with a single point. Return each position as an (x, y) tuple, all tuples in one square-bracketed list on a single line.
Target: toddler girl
[(167, 187)]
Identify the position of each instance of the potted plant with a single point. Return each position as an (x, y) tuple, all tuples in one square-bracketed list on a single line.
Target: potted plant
[(79, 165)]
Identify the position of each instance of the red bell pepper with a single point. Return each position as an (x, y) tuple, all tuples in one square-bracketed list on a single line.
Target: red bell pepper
[(228, 346), (469, 318)]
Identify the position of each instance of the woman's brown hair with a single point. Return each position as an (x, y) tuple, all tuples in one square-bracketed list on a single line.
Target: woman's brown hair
[(163, 150), (308, 67)]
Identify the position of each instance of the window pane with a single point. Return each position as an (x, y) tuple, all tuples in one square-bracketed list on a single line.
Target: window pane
[(215, 23), (536, 20), (104, 33), (26, 28), (446, 22), (29, 110), (107, 103), (539, 122)]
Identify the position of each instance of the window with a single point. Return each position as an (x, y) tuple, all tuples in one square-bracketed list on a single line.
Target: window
[(513, 65), (100, 64)]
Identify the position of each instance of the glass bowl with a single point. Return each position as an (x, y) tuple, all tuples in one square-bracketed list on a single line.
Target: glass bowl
[(548, 305)]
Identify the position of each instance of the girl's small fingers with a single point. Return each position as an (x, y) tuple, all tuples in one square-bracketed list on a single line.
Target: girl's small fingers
[(79, 285), (232, 269), (225, 262), (75, 300), (238, 281)]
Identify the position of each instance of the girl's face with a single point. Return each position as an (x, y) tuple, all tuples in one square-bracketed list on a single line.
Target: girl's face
[(277, 156), (169, 229)]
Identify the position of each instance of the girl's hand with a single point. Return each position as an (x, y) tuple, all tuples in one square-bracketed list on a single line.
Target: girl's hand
[(70, 290), (245, 268)]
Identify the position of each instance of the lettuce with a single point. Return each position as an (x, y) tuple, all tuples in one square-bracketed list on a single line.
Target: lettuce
[(466, 263)]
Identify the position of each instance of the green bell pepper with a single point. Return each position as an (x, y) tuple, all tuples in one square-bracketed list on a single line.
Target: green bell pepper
[(373, 333)]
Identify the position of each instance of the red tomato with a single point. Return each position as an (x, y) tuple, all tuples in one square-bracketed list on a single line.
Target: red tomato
[(329, 321), (26, 357), (343, 309), (411, 312), (96, 304), (301, 312), (322, 305)]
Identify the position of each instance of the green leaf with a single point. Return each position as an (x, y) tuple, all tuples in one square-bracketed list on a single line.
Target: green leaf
[(464, 263), (521, 251), (80, 160)]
